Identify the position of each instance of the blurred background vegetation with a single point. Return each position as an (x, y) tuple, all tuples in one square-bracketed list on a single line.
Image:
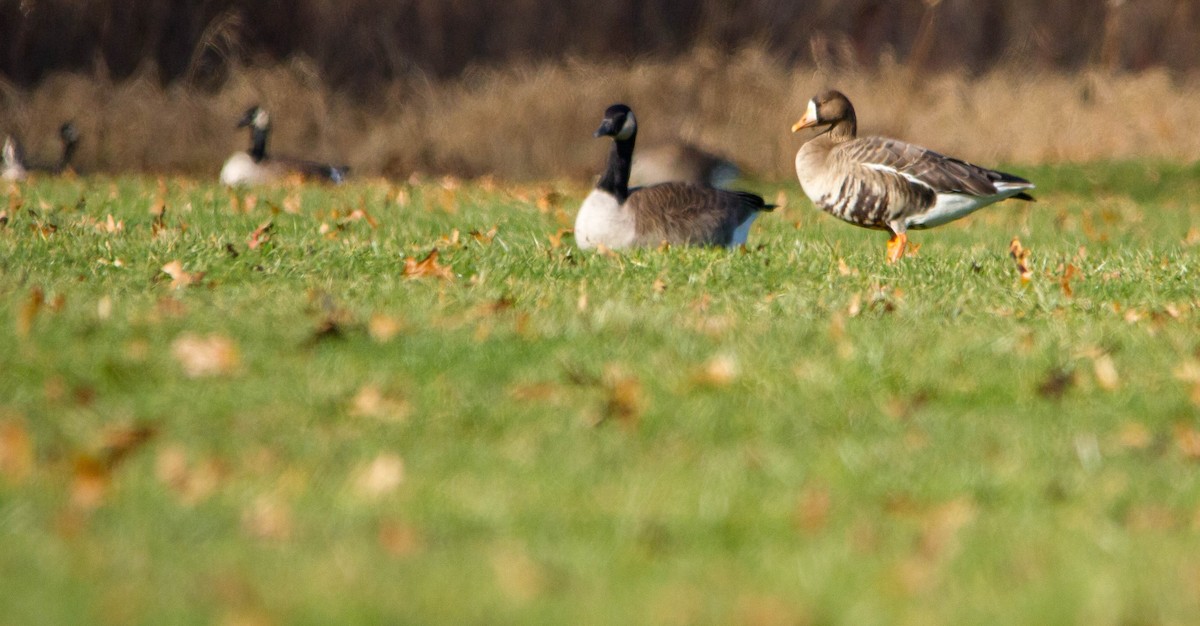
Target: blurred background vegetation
[(439, 86)]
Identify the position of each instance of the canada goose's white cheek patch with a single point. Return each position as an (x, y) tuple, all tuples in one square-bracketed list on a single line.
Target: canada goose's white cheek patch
[(627, 128)]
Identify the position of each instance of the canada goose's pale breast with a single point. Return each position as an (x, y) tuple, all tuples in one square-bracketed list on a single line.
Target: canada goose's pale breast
[(13, 173), (603, 220), (241, 169)]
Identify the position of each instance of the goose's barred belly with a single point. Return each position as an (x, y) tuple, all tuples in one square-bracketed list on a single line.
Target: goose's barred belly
[(857, 203), (874, 203)]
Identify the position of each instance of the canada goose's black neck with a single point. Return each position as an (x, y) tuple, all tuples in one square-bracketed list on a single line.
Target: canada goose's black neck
[(68, 153), (258, 143), (620, 160)]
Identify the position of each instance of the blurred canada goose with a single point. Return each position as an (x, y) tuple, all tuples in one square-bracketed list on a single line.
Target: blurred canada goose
[(886, 184), (69, 135), (255, 167), (16, 168), (616, 216), (11, 167), (680, 161)]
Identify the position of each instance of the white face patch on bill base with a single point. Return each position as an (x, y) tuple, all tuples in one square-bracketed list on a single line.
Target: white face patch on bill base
[(628, 128), (810, 114)]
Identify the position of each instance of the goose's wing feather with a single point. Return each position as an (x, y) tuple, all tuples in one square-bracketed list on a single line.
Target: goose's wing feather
[(311, 169), (922, 166), (687, 213)]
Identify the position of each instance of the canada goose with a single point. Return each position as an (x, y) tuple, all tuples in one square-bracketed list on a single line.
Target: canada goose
[(11, 166), (16, 168), (886, 184), (255, 167), (680, 161), (69, 135), (616, 216)]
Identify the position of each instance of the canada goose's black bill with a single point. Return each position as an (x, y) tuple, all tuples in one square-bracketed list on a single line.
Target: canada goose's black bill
[(606, 129)]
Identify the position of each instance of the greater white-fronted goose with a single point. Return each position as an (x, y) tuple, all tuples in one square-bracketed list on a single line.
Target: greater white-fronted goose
[(886, 184), (681, 161), (11, 166), (615, 216), (255, 167)]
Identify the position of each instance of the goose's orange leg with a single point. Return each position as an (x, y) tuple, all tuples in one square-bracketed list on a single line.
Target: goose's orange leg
[(895, 247)]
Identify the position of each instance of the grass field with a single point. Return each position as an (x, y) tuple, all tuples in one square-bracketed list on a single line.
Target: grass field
[(287, 426)]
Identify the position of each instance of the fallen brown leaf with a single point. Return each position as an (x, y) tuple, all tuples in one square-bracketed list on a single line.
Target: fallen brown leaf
[(267, 518), (372, 402), (1106, 372), (517, 574), (379, 477), (122, 441), (556, 240), (179, 277), (291, 203), (1064, 281), (1056, 382), (812, 510), (1135, 436), (202, 357), (624, 401), (399, 540), (29, 311), (191, 483), (1188, 441), (382, 328), (719, 371), (261, 235), (549, 201), (485, 238), (427, 267), (90, 482), (16, 452), (1021, 256)]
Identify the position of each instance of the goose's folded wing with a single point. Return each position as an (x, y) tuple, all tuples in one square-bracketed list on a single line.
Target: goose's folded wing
[(687, 212), (923, 166), (312, 169)]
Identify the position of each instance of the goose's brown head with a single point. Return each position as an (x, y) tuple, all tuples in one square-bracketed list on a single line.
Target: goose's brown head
[(826, 109)]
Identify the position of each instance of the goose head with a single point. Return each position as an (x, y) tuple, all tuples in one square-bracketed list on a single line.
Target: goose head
[(619, 123), (831, 108), (68, 133), (256, 118)]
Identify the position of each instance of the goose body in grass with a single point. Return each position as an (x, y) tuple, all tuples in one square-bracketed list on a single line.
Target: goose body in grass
[(13, 165), (256, 167), (681, 161), (887, 184), (678, 213)]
